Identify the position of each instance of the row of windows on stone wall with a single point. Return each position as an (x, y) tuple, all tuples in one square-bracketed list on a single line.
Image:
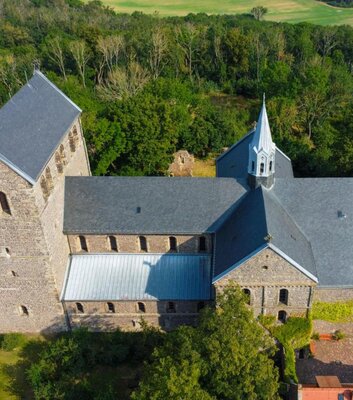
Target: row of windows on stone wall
[(171, 307), (46, 180), (112, 244), (283, 296)]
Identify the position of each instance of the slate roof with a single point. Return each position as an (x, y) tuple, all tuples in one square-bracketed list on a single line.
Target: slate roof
[(103, 205), (234, 162), (32, 124), (104, 277), (323, 208), (260, 221)]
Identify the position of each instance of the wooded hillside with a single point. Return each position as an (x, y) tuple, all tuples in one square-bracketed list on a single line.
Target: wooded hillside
[(149, 86)]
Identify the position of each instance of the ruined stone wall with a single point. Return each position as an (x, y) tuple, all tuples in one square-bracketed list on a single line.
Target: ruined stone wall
[(126, 316), (265, 275), (130, 244), (33, 249)]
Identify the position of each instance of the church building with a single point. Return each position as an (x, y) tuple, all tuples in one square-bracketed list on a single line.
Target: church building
[(79, 250)]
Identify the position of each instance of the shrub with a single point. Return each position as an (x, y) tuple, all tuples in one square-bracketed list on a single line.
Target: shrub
[(333, 312), (11, 341), (315, 336), (267, 320), (338, 335)]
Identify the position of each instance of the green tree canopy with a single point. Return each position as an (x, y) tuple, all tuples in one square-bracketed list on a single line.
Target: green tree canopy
[(228, 357)]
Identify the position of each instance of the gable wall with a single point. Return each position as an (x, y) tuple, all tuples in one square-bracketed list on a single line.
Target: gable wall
[(39, 250), (265, 284)]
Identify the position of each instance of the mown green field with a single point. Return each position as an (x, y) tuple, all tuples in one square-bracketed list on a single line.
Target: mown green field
[(278, 10)]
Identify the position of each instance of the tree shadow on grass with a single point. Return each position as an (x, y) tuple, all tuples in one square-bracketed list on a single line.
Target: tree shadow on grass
[(16, 373)]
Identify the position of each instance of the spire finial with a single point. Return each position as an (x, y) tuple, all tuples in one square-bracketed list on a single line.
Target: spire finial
[(264, 98)]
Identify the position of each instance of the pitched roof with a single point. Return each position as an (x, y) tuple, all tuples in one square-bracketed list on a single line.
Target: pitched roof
[(104, 277), (259, 222), (32, 124), (147, 205), (323, 208), (234, 162)]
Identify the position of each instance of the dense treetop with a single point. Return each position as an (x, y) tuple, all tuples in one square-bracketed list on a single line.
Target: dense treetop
[(149, 86)]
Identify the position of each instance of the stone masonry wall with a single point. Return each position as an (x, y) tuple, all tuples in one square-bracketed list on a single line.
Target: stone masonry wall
[(97, 317), (26, 278), (33, 250), (333, 295), (265, 275), (130, 243)]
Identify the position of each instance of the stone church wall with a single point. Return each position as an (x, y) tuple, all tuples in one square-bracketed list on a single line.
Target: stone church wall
[(331, 295), (33, 250), (130, 243), (126, 316), (265, 274)]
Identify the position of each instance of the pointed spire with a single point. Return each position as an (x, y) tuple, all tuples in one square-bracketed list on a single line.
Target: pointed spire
[(262, 151), (262, 139)]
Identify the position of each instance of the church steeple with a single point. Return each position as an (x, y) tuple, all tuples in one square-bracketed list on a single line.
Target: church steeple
[(262, 151)]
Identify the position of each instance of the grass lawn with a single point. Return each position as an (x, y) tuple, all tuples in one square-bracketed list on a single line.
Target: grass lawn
[(204, 168), (278, 10), (7, 358)]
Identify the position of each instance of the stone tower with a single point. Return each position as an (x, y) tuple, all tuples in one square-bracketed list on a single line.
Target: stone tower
[(41, 142), (261, 166)]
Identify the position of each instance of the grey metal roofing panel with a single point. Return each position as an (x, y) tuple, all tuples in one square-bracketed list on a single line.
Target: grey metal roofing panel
[(103, 205), (259, 215), (315, 205), (104, 277), (32, 124), (234, 162)]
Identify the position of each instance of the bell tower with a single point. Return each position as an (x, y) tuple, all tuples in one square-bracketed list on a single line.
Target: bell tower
[(261, 167)]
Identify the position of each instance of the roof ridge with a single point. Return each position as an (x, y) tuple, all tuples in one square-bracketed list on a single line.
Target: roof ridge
[(41, 75), (274, 198), (236, 144)]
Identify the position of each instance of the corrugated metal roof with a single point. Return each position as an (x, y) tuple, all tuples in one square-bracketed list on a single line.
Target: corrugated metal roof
[(103, 277)]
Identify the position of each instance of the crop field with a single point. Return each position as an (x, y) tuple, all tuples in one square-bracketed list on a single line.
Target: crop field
[(278, 10)]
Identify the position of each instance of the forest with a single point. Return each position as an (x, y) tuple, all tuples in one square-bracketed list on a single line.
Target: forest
[(149, 86)]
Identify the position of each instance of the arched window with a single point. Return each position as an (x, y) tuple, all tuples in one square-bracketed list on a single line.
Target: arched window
[(4, 204), (113, 243), (282, 316), (200, 306), (172, 243), (24, 311), (8, 252), (49, 179), (262, 168), (62, 154), (202, 243), (141, 307), (44, 186), (111, 307), (79, 308), (270, 166), (283, 296), (253, 166), (72, 142), (247, 293), (58, 163), (143, 243), (83, 243), (171, 307)]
